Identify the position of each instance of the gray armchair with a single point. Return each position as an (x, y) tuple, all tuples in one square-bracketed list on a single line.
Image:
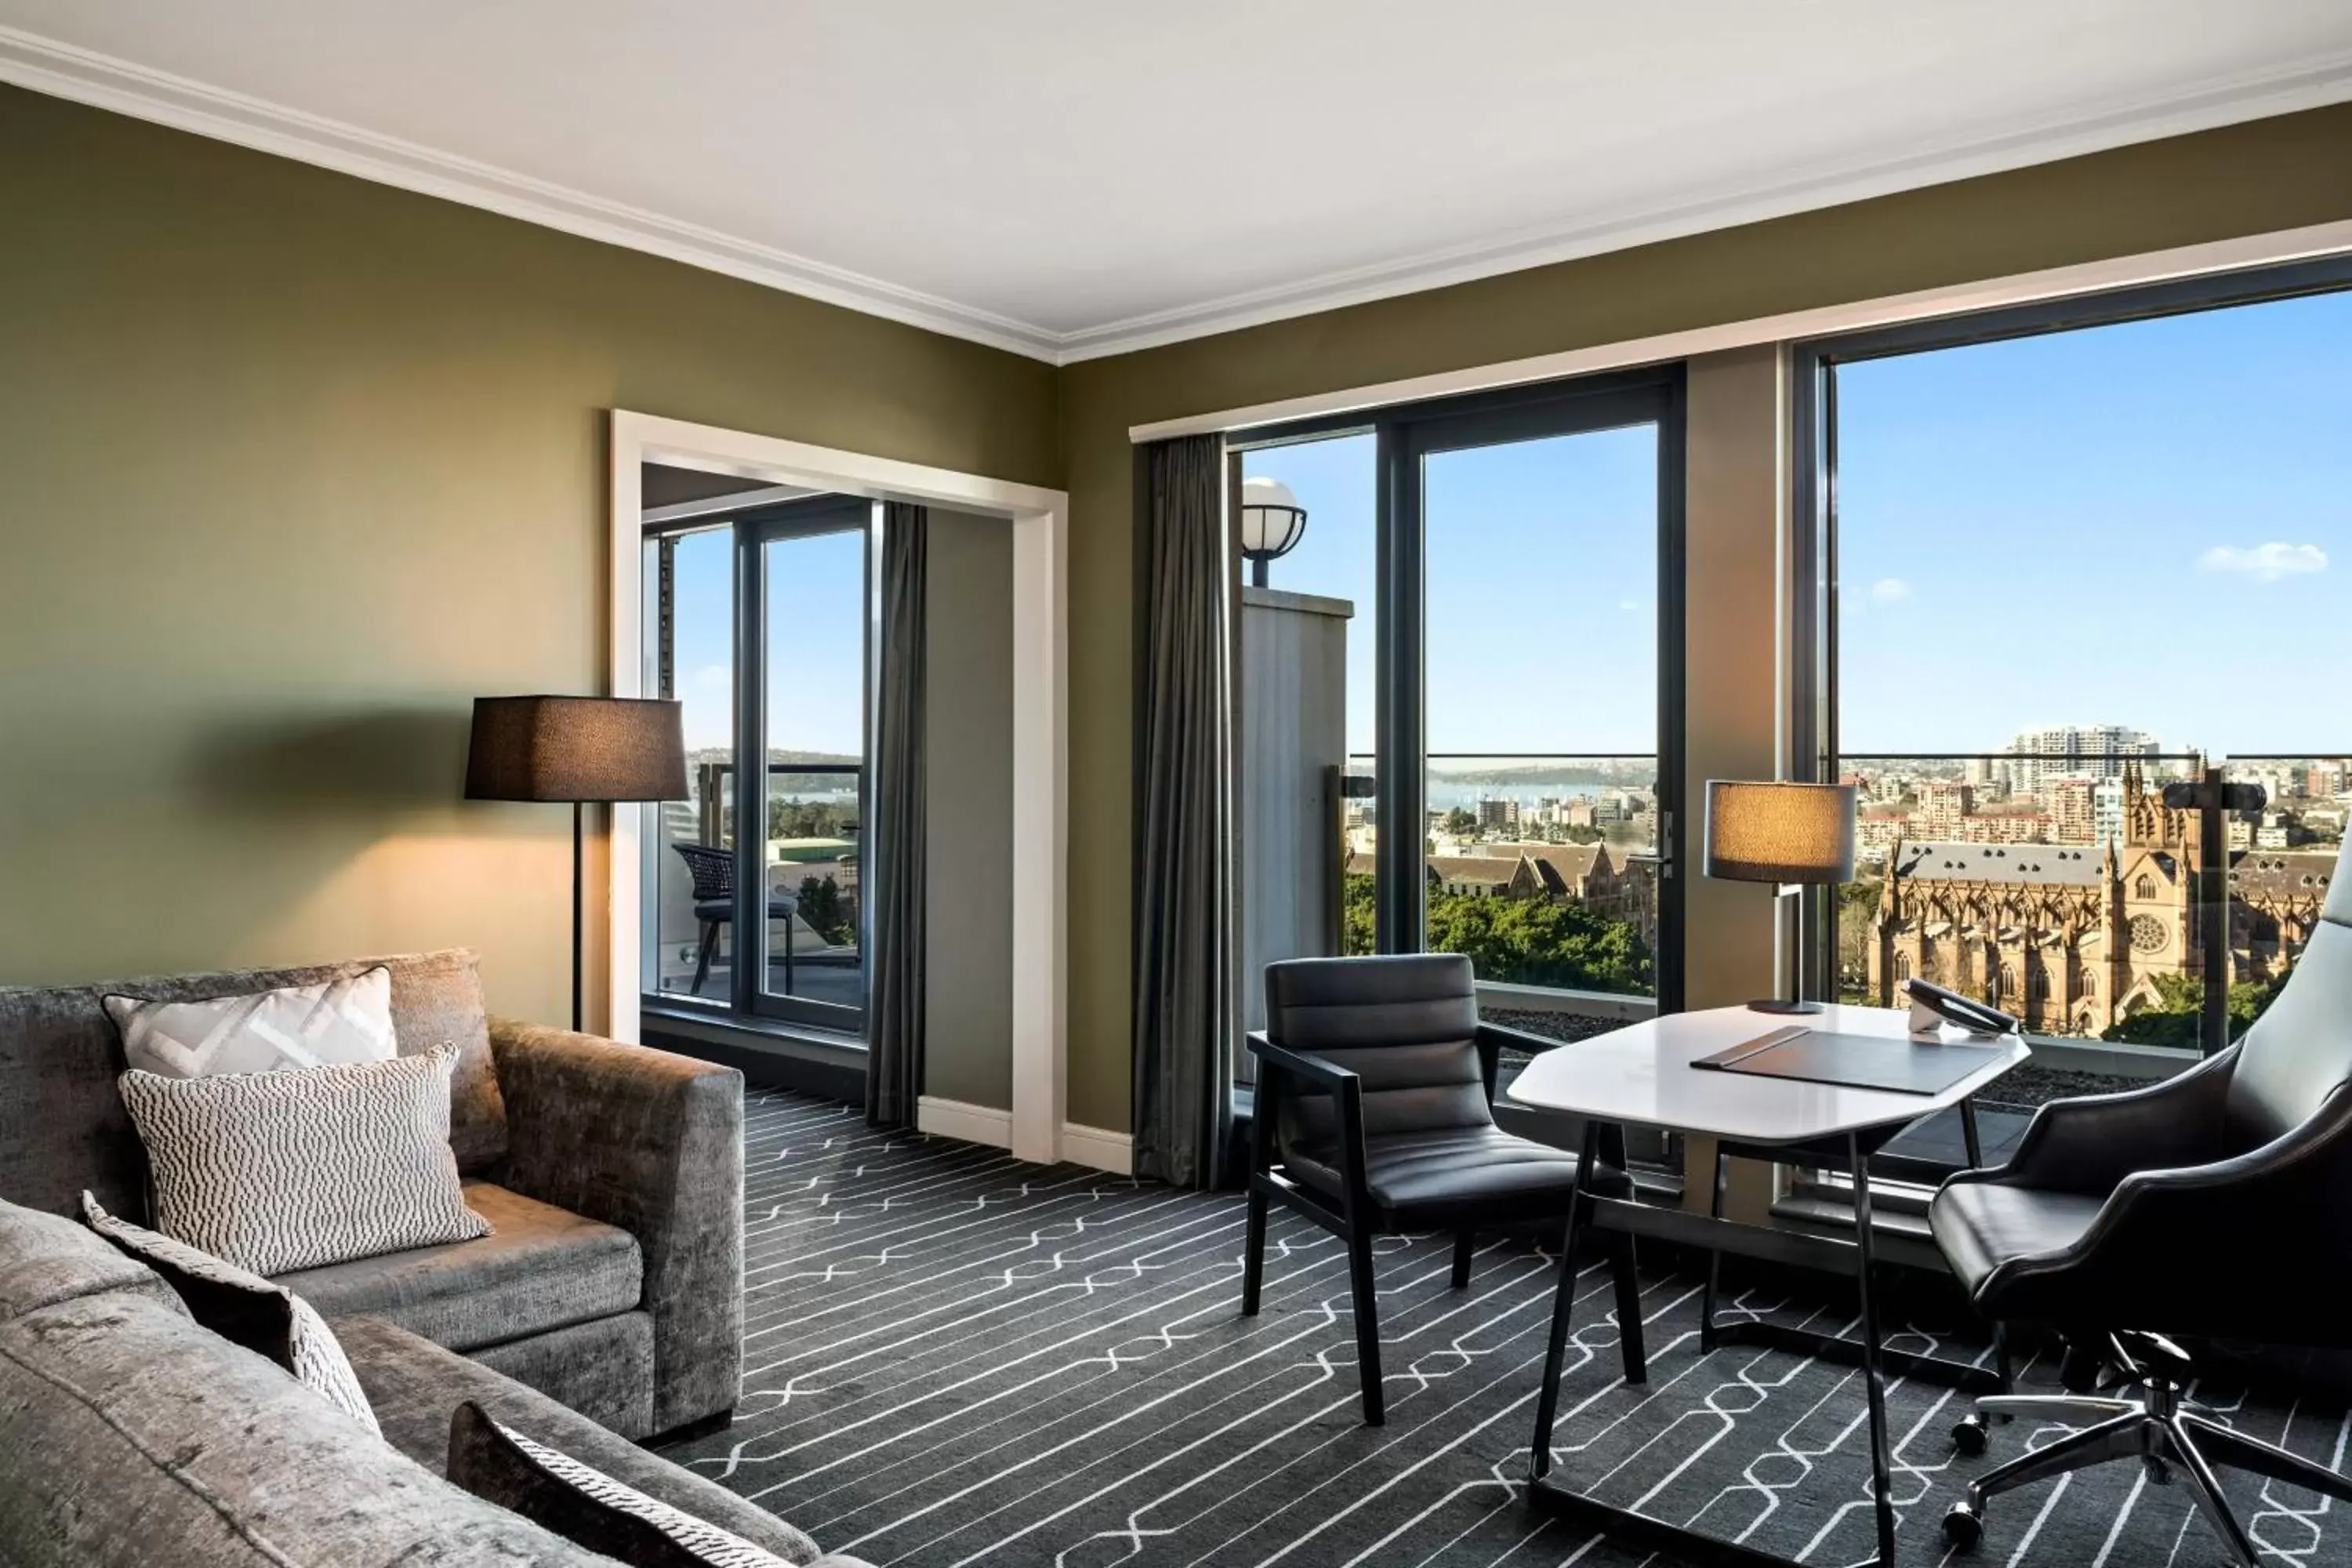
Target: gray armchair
[(2217, 1204)]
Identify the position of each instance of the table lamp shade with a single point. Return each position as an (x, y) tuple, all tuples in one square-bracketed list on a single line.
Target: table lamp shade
[(1780, 832), (576, 749)]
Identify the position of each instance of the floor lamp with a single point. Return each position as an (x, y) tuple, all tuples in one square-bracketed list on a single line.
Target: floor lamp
[(576, 749)]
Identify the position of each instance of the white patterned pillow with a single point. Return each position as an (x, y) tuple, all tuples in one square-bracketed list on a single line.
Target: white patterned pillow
[(585, 1506), (269, 1320), (346, 1020), (278, 1170)]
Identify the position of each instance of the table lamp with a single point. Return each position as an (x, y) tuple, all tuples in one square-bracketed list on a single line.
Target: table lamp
[(576, 749), (1792, 836)]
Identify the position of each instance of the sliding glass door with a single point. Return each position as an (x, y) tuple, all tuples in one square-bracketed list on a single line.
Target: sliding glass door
[(1541, 549), (1506, 573), (759, 622)]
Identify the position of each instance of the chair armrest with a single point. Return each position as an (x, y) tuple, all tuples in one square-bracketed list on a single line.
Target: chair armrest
[(2093, 1144), (2254, 1243), (651, 1142), (1508, 1038), (1346, 1091)]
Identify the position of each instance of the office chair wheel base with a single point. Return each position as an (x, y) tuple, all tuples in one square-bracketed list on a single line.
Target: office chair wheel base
[(1963, 1526), (1969, 1435)]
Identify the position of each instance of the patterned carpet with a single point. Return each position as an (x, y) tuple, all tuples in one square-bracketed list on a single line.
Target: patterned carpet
[(954, 1358)]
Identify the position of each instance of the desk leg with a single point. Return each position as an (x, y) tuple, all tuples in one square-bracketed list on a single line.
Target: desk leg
[(1563, 1309), (1872, 1378)]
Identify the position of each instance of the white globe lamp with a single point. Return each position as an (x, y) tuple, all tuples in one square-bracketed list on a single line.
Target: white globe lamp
[(1273, 523)]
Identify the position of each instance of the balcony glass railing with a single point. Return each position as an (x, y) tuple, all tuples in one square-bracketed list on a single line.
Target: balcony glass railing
[(2151, 899)]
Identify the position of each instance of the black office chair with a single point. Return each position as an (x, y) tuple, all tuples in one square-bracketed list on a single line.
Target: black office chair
[(2217, 1204), (1374, 1116)]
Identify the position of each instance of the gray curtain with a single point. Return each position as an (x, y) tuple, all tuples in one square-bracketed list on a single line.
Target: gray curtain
[(894, 1035), (1183, 871)]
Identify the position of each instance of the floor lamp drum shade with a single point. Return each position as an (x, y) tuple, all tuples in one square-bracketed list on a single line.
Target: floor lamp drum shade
[(576, 749), (1780, 832)]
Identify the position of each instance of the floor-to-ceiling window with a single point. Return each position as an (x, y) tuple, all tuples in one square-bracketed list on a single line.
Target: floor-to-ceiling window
[(2082, 620), (758, 620), (1539, 689), (1507, 571)]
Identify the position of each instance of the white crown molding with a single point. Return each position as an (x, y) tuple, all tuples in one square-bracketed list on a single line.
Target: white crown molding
[(2305, 84), (64, 70), (104, 81)]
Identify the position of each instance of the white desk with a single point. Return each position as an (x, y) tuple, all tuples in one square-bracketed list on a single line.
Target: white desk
[(1642, 1075)]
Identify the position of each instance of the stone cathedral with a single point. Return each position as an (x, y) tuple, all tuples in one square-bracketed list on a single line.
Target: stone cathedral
[(2070, 937)]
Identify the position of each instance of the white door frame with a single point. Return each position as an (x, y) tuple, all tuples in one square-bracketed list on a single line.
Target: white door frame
[(1040, 522)]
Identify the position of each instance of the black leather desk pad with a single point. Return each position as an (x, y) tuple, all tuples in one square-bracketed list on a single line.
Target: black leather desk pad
[(1852, 1061)]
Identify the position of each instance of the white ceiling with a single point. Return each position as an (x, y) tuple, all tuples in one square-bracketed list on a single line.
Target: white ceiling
[(1074, 177)]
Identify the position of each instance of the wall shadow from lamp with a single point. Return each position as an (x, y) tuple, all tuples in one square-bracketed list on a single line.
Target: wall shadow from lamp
[(408, 758)]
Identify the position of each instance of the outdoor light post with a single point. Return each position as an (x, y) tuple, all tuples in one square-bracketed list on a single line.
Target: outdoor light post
[(1273, 523)]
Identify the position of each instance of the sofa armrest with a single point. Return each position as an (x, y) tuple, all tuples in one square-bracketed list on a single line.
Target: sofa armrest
[(652, 1142)]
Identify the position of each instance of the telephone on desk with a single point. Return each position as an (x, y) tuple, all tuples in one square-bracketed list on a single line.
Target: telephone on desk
[(1932, 1007)]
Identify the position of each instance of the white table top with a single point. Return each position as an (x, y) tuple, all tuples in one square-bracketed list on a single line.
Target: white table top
[(1642, 1075)]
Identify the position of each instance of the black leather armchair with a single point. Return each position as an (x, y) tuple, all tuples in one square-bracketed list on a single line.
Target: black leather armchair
[(1374, 1116), (2216, 1204)]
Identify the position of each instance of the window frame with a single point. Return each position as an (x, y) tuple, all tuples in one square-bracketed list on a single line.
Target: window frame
[(1814, 750), (1404, 434), (751, 529)]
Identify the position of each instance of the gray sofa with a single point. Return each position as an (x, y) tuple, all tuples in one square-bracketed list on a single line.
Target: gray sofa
[(134, 1438), (613, 1175)]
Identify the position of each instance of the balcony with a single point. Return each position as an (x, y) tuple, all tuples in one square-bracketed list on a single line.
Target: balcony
[(812, 865)]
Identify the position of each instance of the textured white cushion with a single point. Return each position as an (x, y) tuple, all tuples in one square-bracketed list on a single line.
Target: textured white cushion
[(267, 1319), (347, 1020), (279, 1171)]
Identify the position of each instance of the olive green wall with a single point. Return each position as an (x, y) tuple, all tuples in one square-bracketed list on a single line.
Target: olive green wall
[(296, 466), (2249, 179), (967, 811)]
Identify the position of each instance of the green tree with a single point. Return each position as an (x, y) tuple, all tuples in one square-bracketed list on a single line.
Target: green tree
[(2178, 1018), (825, 911), (793, 817), (1460, 821), (1358, 924), (1526, 942)]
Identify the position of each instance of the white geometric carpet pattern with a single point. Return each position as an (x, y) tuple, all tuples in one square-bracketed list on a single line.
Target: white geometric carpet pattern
[(953, 1358)]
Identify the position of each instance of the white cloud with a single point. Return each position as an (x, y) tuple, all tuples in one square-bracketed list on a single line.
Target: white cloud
[(1889, 591), (1630, 607), (2264, 562), (713, 676)]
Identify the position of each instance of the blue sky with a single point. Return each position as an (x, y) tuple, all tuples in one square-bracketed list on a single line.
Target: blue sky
[(1542, 585), (816, 641), (2147, 524)]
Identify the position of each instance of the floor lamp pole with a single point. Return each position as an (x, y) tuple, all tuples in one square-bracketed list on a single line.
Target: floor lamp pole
[(578, 925)]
